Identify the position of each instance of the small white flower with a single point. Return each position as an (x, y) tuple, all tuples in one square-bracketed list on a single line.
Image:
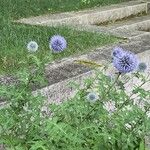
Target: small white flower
[(32, 46), (128, 126), (110, 106), (140, 104), (25, 108), (44, 110), (127, 108), (148, 114), (92, 97), (133, 122), (32, 118)]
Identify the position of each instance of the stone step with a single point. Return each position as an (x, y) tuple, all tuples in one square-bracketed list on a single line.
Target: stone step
[(89, 16), (137, 23)]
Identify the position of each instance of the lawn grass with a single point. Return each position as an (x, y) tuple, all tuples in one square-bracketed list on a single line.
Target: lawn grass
[(24, 8), (14, 37), (14, 41)]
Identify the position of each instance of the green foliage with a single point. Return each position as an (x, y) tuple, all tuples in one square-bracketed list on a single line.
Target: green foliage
[(76, 124)]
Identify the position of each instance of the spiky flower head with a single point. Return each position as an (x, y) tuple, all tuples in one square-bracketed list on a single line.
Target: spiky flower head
[(92, 97), (110, 106), (142, 67), (126, 62), (32, 46), (57, 43), (117, 52)]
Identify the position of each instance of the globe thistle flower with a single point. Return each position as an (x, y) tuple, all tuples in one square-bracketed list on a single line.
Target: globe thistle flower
[(92, 97), (110, 106), (117, 52), (142, 67), (32, 46), (126, 62), (57, 43)]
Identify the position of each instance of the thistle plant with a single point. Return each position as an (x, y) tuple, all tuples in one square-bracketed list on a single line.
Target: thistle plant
[(116, 120), (102, 115), (20, 118)]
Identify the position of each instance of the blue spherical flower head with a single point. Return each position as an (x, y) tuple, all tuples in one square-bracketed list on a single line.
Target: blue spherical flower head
[(32, 46), (92, 97), (117, 52), (57, 43), (128, 62), (142, 67)]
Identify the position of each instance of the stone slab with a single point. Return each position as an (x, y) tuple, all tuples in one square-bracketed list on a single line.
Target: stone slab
[(90, 16)]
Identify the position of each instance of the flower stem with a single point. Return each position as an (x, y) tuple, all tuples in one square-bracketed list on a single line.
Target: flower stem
[(107, 92), (8, 137)]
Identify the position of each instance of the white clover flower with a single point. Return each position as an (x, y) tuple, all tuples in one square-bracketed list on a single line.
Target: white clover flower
[(32, 46), (92, 97), (110, 106)]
